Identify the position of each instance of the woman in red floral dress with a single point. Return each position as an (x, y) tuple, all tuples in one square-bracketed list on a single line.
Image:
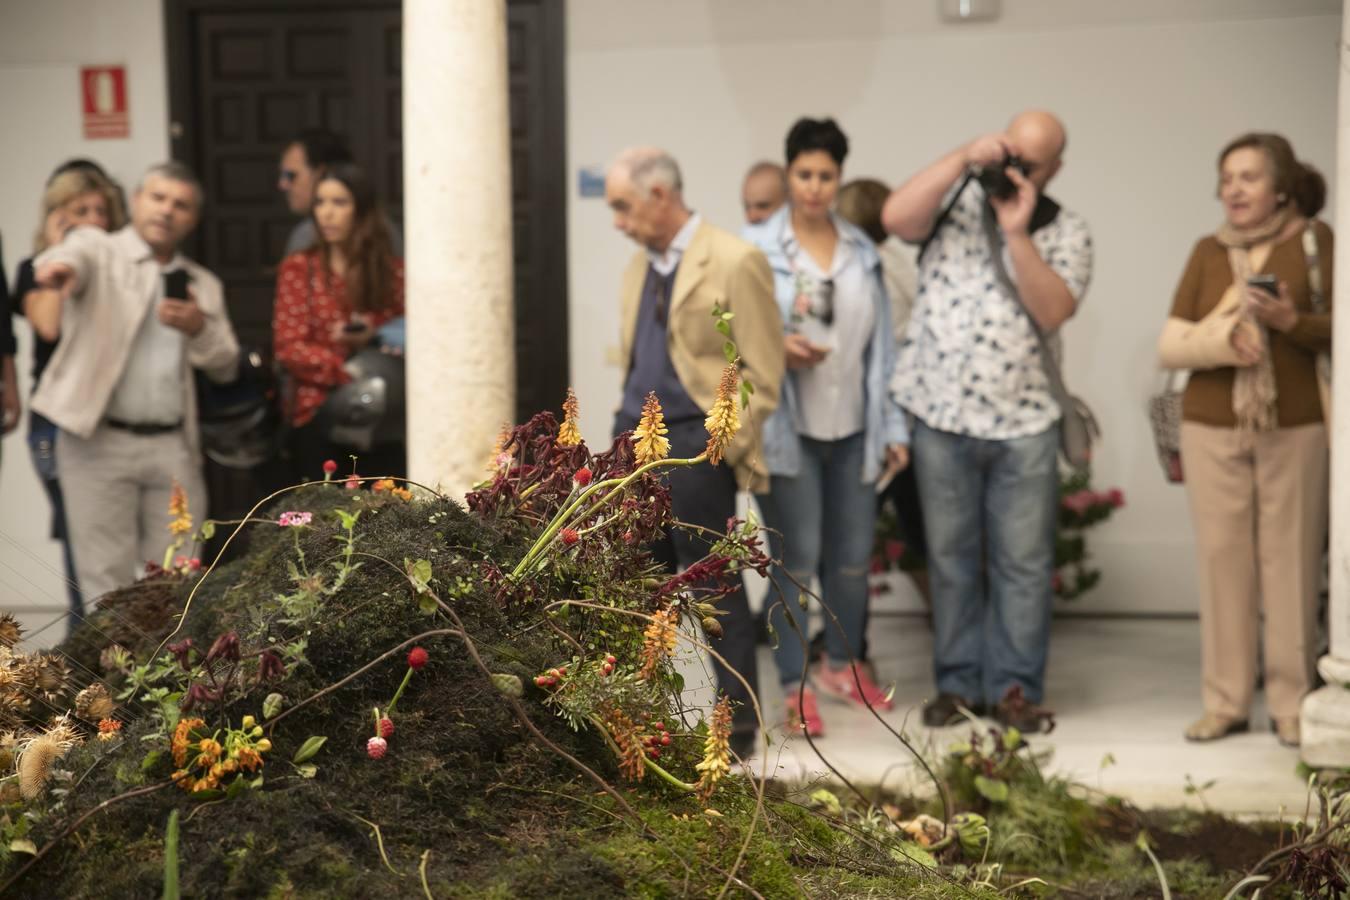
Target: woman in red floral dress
[(331, 301)]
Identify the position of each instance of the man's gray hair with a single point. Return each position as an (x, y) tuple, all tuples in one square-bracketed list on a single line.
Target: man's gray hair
[(174, 170), (647, 166)]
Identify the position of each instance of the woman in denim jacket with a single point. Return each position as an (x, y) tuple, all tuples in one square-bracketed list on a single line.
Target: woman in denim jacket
[(836, 430)]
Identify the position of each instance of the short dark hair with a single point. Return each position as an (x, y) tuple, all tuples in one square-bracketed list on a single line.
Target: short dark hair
[(322, 147), (817, 134)]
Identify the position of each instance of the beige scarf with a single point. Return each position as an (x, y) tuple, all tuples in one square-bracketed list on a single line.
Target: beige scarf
[(1254, 391)]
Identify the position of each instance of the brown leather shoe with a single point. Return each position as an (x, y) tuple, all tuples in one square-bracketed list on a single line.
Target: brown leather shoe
[(1210, 727), (1286, 731)]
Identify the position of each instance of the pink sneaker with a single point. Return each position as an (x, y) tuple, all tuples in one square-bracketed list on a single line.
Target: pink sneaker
[(807, 716), (840, 684)]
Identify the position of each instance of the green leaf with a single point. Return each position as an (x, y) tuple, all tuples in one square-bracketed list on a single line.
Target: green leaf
[(208, 529), (826, 799), (151, 760), (726, 316), (348, 519), (904, 851), (23, 845), (257, 783), (992, 789), (272, 705), (508, 684), (427, 604), (724, 328), (206, 795), (171, 891), (677, 682), (419, 573), (307, 770), (309, 749), (1108, 760), (729, 351), (237, 787), (1012, 739)]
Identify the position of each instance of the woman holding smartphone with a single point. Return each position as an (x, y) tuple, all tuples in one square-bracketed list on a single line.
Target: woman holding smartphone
[(331, 301), (836, 430), (1250, 317)]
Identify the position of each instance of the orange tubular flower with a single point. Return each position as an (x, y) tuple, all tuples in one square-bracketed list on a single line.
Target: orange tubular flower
[(568, 433), (716, 761), (724, 419), (649, 438), (658, 641), (178, 508)]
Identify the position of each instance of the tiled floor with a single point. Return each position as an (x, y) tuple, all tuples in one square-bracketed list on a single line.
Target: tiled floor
[(1119, 687)]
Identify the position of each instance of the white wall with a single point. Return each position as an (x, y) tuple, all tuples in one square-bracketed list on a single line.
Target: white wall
[(42, 47), (1149, 90)]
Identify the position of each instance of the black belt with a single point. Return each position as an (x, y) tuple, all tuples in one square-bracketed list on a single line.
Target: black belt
[(147, 428)]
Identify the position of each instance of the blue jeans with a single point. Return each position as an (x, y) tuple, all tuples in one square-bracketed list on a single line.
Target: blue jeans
[(42, 449), (826, 515), (989, 511)]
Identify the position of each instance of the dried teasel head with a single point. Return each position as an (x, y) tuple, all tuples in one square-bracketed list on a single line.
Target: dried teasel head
[(93, 703), (10, 630), (37, 756), (51, 675), (9, 744)]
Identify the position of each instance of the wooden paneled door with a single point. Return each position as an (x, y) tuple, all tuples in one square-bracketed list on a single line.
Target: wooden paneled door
[(245, 76)]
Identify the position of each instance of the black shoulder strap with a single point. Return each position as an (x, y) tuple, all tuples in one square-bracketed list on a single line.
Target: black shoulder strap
[(1046, 211)]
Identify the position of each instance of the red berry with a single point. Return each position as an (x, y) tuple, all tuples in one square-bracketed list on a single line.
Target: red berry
[(329, 466), (583, 476), (665, 740), (562, 670), (386, 727), (570, 536), (610, 659), (376, 747), (540, 680), (628, 537), (660, 726), (656, 754), (195, 563), (417, 658)]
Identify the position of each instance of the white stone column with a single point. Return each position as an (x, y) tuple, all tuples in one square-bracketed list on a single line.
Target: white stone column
[(457, 234), (1326, 712)]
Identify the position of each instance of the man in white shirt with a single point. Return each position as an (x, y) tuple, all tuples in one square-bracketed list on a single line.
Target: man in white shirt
[(120, 385), (986, 432)]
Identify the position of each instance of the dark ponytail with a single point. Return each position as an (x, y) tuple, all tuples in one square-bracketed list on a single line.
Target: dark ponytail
[(1309, 190)]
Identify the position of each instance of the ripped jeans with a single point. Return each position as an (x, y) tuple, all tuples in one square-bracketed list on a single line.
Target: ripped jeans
[(826, 515)]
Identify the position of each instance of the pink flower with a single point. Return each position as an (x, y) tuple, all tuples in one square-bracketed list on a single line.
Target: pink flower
[(377, 747), (1116, 497), (353, 482), (292, 519), (1078, 502), (195, 563)]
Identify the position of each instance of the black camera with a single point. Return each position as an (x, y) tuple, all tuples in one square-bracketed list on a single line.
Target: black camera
[(995, 180)]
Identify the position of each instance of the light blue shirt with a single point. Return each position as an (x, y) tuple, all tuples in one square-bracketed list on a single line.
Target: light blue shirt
[(883, 419)]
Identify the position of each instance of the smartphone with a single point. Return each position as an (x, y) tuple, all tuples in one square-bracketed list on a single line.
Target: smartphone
[(1268, 283), (354, 327), (176, 285)]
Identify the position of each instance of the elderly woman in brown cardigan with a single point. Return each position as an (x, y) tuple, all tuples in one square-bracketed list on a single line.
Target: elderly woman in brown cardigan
[(1250, 318)]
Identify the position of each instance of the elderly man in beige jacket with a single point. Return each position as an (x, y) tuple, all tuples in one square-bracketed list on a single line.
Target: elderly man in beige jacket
[(120, 386), (684, 269)]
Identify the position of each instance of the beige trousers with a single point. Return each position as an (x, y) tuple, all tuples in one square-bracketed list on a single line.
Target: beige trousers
[(1260, 505), (116, 488)]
